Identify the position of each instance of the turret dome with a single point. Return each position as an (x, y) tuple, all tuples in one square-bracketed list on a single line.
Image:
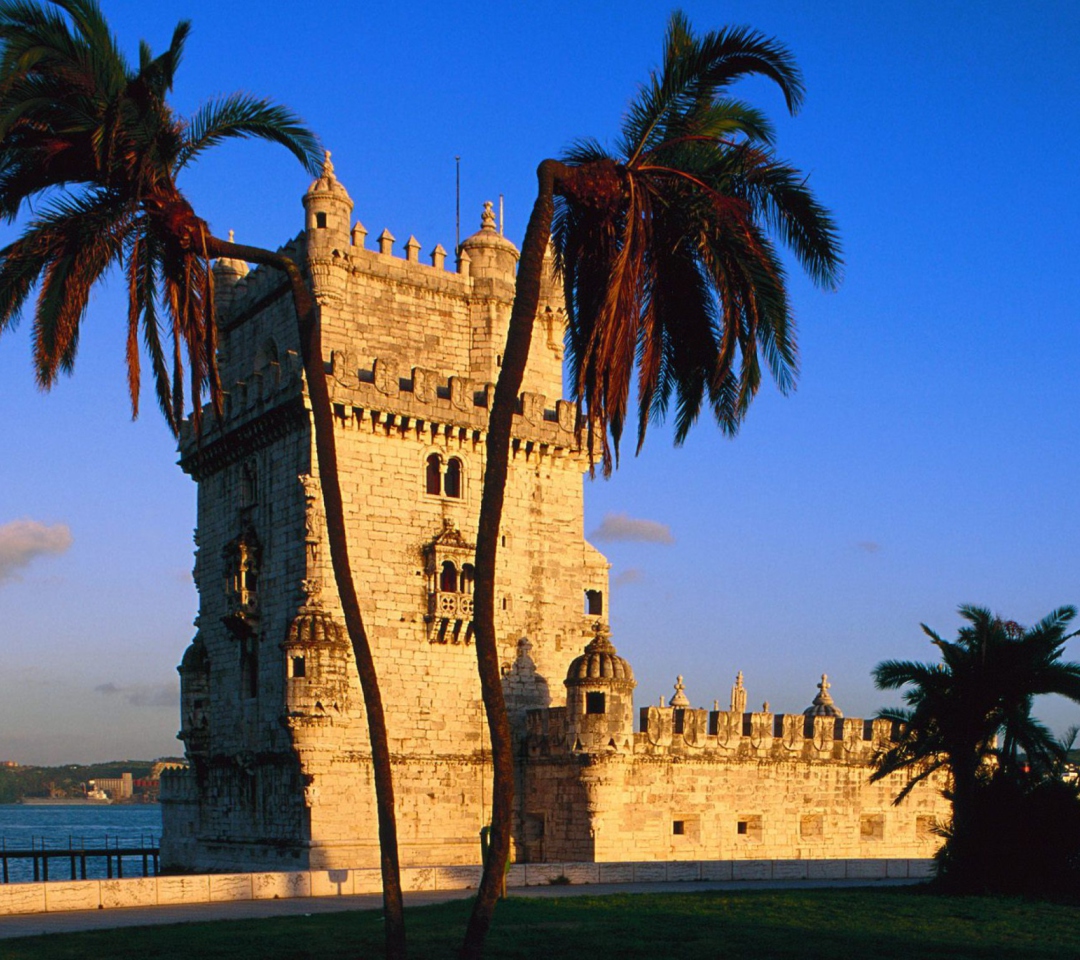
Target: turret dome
[(490, 254), (599, 662), (328, 183), (823, 705)]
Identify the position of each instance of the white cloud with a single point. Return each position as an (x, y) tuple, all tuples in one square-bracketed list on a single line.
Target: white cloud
[(628, 576), (619, 526), (22, 541)]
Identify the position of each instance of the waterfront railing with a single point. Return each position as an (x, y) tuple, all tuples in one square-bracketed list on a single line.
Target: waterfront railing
[(146, 852)]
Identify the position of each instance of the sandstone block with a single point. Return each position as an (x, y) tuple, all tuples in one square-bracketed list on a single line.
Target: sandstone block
[(22, 898), (230, 886), (134, 892), (281, 886), (190, 889), (72, 895)]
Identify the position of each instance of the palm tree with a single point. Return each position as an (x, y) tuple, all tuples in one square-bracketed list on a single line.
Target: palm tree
[(970, 714), (98, 141), (667, 253)]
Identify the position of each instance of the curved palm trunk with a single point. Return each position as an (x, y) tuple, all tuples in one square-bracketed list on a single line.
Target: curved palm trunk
[(519, 335), (326, 454)]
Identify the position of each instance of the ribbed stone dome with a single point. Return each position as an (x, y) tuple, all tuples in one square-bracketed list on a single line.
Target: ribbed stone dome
[(599, 662), (227, 270), (195, 657), (823, 705), (490, 253), (326, 182), (314, 628)]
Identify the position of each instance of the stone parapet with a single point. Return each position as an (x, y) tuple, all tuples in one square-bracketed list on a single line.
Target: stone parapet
[(62, 896)]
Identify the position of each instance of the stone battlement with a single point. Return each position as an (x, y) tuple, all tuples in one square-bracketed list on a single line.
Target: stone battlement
[(723, 735)]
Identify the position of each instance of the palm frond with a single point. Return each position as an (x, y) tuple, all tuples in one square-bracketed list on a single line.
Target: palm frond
[(242, 116)]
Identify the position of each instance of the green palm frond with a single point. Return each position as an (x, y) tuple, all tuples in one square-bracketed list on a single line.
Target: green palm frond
[(98, 141), (673, 264), (240, 115)]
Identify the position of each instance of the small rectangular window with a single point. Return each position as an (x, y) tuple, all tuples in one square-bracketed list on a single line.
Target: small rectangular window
[(714, 723), (678, 827), (749, 826), (320, 220), (594, 703), (299, 667), (594, 603), (868, 729), (747, 724)]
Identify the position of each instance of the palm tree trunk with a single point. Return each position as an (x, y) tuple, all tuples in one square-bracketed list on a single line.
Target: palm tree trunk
[(503, 407), (326, 454)]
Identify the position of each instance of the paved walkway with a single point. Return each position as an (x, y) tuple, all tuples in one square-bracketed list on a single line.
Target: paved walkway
[(27, 925)]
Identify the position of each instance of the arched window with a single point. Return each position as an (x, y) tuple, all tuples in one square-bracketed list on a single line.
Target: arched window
[(452, 486), (448, 579), (468, 574), (434, 474)]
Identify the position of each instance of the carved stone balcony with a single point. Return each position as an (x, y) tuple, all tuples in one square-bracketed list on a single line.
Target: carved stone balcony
[(443, 605)]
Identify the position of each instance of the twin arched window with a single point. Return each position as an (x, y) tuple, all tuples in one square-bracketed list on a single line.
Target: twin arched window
[(443, 480), (451, 581)]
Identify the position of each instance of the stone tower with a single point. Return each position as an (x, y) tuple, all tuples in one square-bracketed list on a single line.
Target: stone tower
[(272, 716)]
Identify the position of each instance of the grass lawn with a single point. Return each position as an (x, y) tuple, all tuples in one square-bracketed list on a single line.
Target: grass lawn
[(901, 923)]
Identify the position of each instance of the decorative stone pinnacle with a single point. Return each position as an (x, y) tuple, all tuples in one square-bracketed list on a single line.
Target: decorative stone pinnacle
[(601, 642), (487, 218), (823, 704), (327, 166), (679, 699), (231, 235), (738, 695)]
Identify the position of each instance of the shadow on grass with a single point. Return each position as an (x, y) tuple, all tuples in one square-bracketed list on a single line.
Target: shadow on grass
[(890, 924)]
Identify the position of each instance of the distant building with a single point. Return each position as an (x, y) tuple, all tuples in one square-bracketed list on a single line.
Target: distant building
[(118, 788), (272, 717)]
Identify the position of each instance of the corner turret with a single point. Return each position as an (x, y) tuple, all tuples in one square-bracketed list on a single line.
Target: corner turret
[(329, 208), (600, 698), (229, 281), (490, 255)]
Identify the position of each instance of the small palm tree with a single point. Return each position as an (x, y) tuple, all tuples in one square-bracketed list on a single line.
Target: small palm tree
[(99, 142), (970, 714), (667, 249)]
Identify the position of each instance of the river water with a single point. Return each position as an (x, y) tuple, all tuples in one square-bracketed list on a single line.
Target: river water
[(23, 826)]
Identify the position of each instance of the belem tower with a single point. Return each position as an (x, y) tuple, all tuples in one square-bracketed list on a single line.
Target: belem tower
[(272, 717)]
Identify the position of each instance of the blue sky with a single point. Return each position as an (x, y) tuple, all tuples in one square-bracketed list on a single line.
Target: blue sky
[(927, 459)]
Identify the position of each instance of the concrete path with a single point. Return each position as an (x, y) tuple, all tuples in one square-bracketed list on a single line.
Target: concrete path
[(27, 925)]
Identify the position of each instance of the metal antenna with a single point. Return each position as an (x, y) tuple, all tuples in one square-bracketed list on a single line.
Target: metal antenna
[(457, 232)]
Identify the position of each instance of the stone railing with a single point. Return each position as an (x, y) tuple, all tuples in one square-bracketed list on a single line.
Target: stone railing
[(61, 896)]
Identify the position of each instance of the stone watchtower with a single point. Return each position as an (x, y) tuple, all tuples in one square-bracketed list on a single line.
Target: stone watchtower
[(273, 716), (600, 698)]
